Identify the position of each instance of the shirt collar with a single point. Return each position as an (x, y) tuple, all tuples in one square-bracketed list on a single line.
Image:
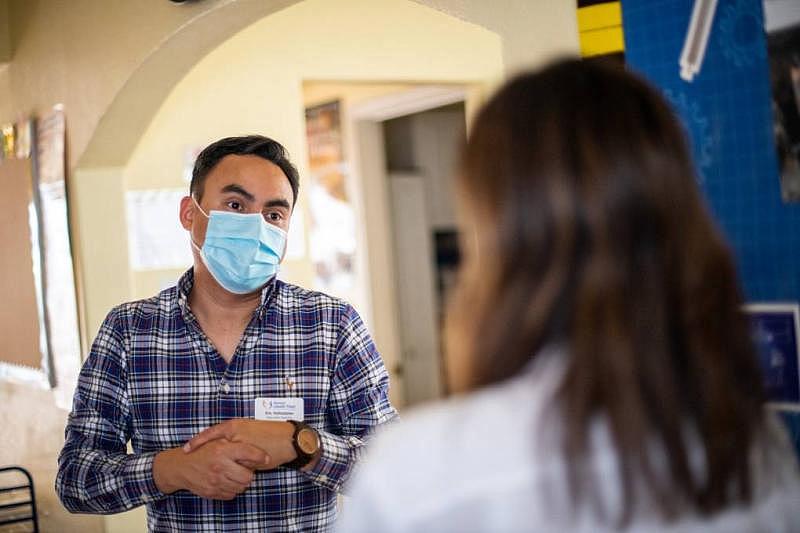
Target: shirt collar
[(186, 282)]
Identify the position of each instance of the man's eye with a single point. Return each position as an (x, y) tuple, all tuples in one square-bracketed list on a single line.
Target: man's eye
[(235, 205), (274, 217)]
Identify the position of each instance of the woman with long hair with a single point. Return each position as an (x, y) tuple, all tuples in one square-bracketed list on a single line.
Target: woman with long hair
[(607, 374)]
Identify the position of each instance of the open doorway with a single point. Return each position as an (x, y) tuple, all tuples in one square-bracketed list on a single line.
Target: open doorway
[(421, 155), (403, 148), (396, 146)]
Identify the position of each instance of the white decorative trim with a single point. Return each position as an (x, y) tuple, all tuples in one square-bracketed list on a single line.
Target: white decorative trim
[(407, 102)]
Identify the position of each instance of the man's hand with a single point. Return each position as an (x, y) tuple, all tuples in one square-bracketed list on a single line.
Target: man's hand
[(216, 470), (274, 438)]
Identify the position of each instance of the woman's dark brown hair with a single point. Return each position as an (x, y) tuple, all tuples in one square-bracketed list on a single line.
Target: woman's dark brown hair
[(591, 233)]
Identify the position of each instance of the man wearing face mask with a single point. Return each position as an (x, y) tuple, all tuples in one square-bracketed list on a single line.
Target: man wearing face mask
[(246, 400)]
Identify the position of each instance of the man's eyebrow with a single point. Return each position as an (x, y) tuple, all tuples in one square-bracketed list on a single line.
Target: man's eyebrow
[(238, 189), (278, 202)]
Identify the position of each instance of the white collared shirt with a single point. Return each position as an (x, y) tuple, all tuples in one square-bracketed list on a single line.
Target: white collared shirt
[(491, 461)]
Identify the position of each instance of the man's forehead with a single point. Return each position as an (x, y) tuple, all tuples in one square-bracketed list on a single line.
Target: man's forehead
[(252, 174), (246, 164)]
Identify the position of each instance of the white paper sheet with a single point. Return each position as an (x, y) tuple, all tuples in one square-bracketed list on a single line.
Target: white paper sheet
[(156, 239)]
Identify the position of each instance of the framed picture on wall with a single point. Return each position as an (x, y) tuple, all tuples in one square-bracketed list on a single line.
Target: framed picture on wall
[(782, 21), (775, 332)]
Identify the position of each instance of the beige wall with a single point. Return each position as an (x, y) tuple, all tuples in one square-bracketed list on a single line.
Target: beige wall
[(254, 83), (82, 53), (98, 210), (112, 79), (6, 107), (532, 31), (115, 63), (90, 54), (5, 35)]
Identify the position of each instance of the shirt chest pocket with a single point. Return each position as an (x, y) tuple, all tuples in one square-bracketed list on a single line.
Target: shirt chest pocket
[(169, 419), (172, 409)]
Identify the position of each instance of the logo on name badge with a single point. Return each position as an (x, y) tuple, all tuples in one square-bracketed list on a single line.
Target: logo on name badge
[(279, 409)]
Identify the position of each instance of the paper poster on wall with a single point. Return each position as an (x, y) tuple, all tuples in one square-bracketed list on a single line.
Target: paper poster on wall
[(61, 307), (783, 45), (332, 230), (775, 333), (156, 239), (24, 138)]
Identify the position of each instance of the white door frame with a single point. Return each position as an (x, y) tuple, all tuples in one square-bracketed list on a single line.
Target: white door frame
[(369, 168)]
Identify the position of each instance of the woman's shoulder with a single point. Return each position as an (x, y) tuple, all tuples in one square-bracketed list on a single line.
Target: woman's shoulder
[(478, 421), (446, 457), (474, 422)]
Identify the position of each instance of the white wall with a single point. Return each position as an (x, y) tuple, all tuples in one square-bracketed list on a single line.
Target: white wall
[(438, 135)]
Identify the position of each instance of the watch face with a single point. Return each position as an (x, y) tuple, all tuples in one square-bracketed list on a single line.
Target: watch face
[(307, 441)]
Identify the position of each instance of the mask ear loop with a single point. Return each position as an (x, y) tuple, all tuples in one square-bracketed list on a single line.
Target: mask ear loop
[(200, 208), (194, 244)]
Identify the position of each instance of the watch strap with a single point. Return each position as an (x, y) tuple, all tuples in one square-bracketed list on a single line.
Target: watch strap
[(302, 458)]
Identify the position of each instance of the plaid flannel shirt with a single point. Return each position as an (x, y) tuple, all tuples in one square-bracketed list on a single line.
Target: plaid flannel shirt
[(154, 379)]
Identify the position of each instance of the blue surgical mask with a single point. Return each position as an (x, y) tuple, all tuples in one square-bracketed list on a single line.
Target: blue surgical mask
[(242, 252)]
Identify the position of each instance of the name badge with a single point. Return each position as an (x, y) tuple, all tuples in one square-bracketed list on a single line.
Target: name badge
[(280, 409)]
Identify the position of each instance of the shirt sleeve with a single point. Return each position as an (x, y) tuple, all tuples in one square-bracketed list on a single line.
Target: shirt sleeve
[(95, 472), (358, 402)]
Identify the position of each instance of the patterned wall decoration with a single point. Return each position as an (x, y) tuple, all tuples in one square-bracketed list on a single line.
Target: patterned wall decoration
[(726, 110)]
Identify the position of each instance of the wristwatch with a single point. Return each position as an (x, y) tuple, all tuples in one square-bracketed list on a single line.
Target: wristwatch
[(306, 443)]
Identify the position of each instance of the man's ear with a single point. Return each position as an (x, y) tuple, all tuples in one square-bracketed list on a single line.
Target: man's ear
[(186, 212)]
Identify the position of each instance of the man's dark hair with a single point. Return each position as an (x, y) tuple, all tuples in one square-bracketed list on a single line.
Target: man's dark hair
[(257, 145)]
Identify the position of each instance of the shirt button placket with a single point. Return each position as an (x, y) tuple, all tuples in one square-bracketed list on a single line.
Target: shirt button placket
[(227, 400)]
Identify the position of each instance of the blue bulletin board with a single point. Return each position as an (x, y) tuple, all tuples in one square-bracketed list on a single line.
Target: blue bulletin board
[(726, 110)]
